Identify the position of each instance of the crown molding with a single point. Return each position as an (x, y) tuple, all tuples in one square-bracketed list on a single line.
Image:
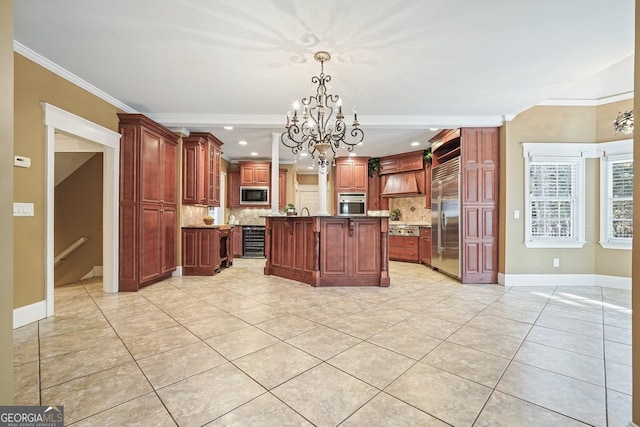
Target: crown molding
[(68, 75), (278, 121), (587, 102)]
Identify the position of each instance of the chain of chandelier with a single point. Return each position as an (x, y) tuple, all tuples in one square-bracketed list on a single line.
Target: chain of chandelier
[(315, 129)]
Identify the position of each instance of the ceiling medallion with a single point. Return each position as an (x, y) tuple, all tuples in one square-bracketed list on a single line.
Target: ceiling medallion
[(624, 122), (318, 133)]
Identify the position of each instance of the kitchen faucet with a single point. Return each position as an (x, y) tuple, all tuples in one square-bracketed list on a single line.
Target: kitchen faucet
[(302, 211)]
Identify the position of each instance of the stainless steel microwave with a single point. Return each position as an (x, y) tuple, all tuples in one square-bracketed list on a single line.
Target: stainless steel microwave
[(254, 195), (352, 204)]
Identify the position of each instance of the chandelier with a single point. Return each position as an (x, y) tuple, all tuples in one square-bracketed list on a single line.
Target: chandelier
[(624, 122), (316, 131)]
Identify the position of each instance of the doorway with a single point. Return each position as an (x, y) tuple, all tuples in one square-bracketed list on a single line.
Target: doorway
[(86, 136), (307, 197)]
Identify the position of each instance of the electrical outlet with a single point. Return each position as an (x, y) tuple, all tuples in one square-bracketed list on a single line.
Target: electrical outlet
[(556, 262)]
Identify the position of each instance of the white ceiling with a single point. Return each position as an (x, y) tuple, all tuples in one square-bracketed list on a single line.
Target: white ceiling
[(408, 65)]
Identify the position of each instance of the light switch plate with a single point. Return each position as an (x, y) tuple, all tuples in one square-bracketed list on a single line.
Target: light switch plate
[(23, 209), (21, 161)]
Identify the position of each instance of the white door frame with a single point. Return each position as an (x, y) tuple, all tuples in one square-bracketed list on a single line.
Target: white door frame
[(107, 142)]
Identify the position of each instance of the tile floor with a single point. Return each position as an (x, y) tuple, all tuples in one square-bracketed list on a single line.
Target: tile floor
[(245, 349)]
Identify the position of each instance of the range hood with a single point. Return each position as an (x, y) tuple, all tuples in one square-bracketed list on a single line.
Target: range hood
[(401, 184)]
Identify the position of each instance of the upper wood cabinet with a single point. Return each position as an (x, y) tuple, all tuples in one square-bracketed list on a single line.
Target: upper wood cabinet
[(233, 188), (148, 202), (352, 174), (255, 173), (404, 162), (215, 154), (201, 169)]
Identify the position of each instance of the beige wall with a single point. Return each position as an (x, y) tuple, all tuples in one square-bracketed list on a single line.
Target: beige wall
[(554, 124), (78, 213), (604, 120), (635, 279), (33, 85), (6, 201)]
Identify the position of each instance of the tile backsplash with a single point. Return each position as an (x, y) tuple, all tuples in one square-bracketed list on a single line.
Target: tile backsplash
[(249, 216), (193, 215), (412, 209)]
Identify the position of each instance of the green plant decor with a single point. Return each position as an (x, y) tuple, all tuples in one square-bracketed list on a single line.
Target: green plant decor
[(427, 156), (290, 207), (374, 166), (395, 214)]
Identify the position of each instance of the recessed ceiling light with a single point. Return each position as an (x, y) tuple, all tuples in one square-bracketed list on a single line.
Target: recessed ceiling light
[(228, 127), (352, 154), (253, 153), (309, 167), (243, 142), (360, 143), (433, 129), (304, 154), (415, 143)]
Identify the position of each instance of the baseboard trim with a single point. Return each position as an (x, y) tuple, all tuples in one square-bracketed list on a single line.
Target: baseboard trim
[(96, 271), (632, 424), (177, 272), (604, 281), (29, 313)]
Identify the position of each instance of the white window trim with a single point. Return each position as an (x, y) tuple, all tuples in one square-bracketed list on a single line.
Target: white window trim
[(611, 151), (558, 152)]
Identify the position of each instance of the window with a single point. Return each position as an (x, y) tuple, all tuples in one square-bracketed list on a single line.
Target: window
[(554, 202), (616, 229)]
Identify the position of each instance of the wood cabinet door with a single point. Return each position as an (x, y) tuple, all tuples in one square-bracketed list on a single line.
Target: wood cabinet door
[(255, 174), (262, 174), (208, 257), (389, 166), (247, 175), (169, 224), (373, 193), (237, 241), (214, 176), (189, 248), (233, 189), (425, 246), (169, 178), (190, 160), (150, 243), (344, 177), (360, 176), (336, 252), (365, 238), (281, 244), (151, 167)]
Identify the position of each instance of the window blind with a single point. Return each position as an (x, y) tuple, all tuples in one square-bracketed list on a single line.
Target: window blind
[(553, 199), (620, 200)]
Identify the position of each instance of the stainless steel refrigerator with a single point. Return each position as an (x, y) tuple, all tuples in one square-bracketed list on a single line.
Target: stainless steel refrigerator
[(445, 217)]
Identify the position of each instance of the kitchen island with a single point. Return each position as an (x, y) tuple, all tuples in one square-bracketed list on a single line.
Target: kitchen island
[(328, 250), (206, 249)]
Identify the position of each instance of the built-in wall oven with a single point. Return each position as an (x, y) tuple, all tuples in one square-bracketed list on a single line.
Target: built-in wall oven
[(352, 204), (253, 241)]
